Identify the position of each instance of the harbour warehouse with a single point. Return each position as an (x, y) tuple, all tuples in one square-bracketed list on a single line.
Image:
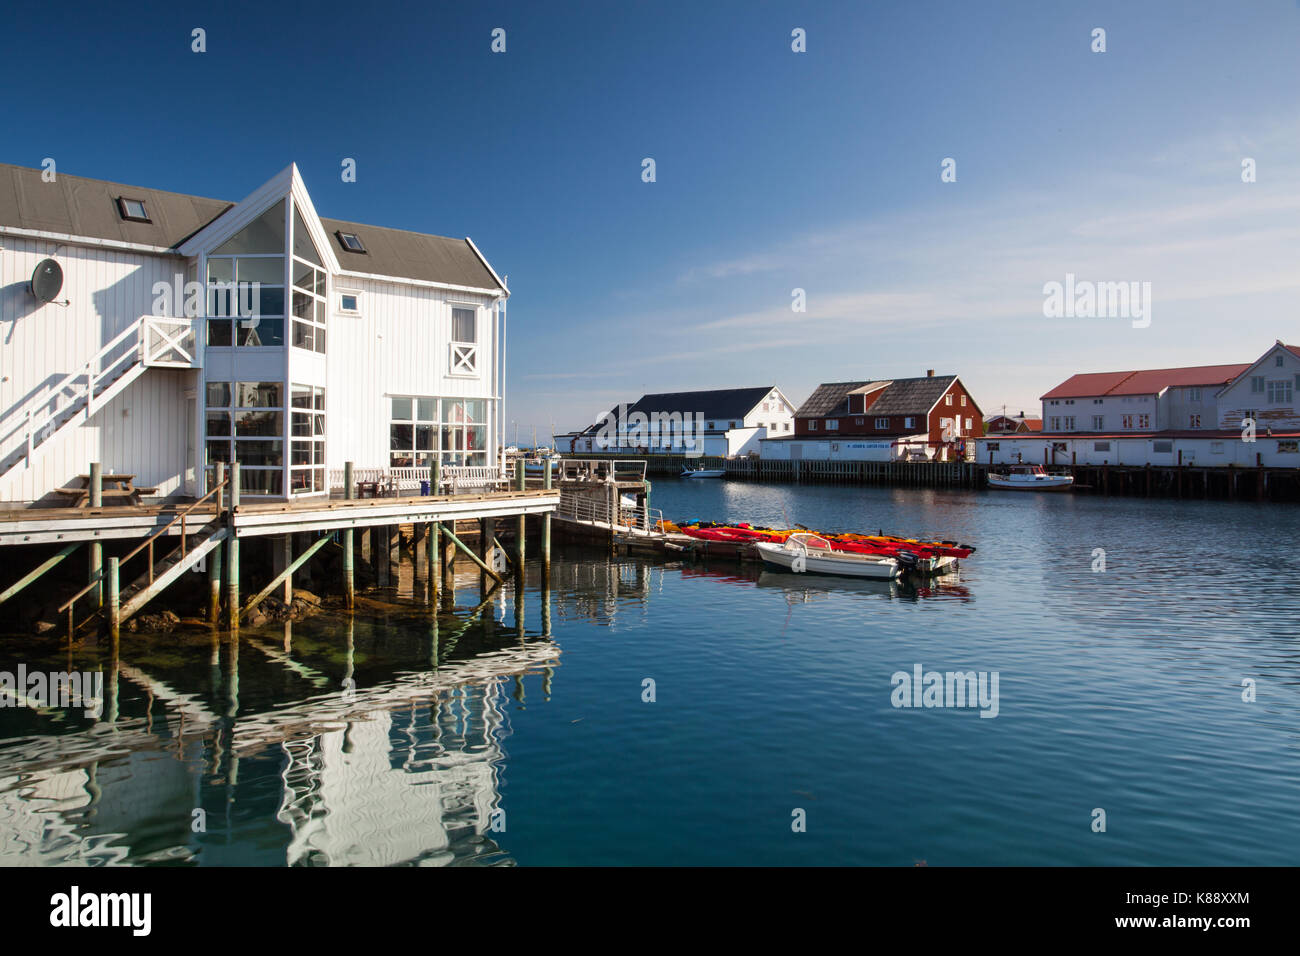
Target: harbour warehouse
[(1241, 415)]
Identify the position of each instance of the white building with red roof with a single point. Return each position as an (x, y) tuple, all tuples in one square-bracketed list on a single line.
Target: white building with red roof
[(1240, 414)]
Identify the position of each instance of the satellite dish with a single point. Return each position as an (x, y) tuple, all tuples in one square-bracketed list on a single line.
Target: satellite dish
[(47, 280)]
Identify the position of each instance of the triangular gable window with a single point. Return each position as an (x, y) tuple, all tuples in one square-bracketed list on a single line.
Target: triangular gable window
[(303, 247), (264, 235)]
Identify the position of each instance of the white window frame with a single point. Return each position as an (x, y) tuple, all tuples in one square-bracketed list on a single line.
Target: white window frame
[(342, 310)]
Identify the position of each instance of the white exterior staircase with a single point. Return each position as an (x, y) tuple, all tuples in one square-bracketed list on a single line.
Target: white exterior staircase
[(149, 342)]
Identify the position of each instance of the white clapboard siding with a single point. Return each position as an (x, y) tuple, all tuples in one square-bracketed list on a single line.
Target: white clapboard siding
[(399, 345), (143, 430)]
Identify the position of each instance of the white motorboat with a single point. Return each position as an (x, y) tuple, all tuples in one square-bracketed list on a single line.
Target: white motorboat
[(1029, 478), (808, 553), (703, 472)]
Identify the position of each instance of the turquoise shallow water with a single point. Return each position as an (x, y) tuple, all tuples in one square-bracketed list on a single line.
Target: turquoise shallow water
[(520, 734)]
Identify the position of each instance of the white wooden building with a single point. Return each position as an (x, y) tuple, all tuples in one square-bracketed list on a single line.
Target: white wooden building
[(188, 331), (722, 423), (1169, 416)]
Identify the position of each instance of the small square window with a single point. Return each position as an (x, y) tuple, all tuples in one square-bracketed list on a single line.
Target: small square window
[(132, 210), (350, 302), (350, 242)]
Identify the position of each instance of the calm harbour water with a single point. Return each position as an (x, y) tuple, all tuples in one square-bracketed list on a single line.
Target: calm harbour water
[(519, 734)]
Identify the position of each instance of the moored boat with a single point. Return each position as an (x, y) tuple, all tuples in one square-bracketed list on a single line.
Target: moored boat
[(1029, 478), (702, 472), (809, 553)]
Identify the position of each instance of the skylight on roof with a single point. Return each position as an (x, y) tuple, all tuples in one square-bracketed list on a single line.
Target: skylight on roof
[(132, 209), (350, 242)]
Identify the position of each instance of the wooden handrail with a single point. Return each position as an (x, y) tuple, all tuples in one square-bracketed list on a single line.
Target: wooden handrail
[(147, 543)]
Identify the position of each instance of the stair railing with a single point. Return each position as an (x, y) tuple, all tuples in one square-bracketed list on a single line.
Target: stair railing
[(147, 543)]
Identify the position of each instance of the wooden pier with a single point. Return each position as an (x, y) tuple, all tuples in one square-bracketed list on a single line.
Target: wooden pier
[(176, 538), (1257, 483)]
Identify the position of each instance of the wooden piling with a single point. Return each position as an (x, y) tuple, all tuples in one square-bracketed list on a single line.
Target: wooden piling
[(521, 527), (114, 599), (349, 579), (232, 552), (95, 564), (214, 558), (546, 517)]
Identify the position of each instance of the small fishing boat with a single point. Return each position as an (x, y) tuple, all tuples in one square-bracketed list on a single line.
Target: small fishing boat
[(809, 553), (1029, 478), (702, 472)]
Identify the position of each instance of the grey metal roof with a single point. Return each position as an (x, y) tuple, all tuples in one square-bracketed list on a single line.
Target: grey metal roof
[(830, 397), (912, 396), (410, 255), (902, 396), (725, 403), (87, 208)]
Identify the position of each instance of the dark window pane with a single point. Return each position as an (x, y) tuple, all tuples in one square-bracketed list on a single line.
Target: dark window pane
[(301, 453), (299, 480), (269, 301), (261, 333), (258, 394), (320, 399), (219, 333), (218, 394), (424, 438), (462, 325), (260, 452), (218, 451), (320, 452), (260, 482), (259, 423), (301, 424), (400, 438), (303, 335), (218, 423), (301, 396), (320, 341)]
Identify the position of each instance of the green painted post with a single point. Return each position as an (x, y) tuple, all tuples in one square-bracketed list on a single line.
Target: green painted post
[(96, 563), (114, 602), (435, 476), (232, 552), (521, 483), (349, 581), (546, 519), (435, 561), (214, 559)]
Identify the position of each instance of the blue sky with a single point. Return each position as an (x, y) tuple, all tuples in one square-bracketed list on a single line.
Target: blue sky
[(775, 170)]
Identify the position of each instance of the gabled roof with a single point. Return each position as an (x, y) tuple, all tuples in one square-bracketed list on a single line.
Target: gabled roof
[(87, 208), (411, 255), (912, 396), (725, 403), (832, 395), (72, 205), (1143, 382)]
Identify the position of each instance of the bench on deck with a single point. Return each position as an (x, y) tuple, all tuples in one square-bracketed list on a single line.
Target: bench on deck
[(114, 489)]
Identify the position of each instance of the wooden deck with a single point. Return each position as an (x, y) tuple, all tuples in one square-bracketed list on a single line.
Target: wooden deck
[(252, 519)]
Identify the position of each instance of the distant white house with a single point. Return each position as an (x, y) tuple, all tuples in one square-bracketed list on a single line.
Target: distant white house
[(187, 331), (718, 423), (1214, 415)]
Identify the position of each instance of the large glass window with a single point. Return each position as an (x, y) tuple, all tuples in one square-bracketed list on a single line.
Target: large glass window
[(309, 292), (245, 282), (454, 429), (307, 420), (245, 423)]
